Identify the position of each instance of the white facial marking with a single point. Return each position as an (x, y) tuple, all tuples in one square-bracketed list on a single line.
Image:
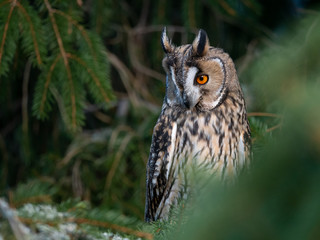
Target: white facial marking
[(191, 91), (173, 77), (191, 75)]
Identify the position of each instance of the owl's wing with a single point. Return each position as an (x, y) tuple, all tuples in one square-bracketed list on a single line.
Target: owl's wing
[(157, 166)]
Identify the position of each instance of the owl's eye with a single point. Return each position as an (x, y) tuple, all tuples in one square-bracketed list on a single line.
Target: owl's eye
[(202, 79)]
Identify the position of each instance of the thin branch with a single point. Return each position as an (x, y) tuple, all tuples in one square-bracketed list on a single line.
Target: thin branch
[(115, 134), (48, 80), (112, 226), (96, 223), (227, 8), (5, 161), (33, 33), (4, 3), (60, 103), (81, 29), (274, 128), (125, 75), (117, 159), (45, 198), (158, 28), (66, 63), (6, 29), (139, 66), (91, 73), (24, 104), (263, 114)]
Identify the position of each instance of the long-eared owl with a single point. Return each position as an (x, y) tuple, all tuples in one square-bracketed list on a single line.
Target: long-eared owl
[(203, 121)]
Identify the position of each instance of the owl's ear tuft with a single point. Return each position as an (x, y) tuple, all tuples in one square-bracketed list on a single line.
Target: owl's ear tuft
[(201, 44), (165, 42)]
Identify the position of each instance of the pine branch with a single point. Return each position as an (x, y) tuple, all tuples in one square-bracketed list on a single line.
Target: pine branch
[(46, 86), (4, 3), (91, 73), (117, 160), (13, 4), (263, 114), (66, 64), (112, 226), (81, 29), (33, 33)]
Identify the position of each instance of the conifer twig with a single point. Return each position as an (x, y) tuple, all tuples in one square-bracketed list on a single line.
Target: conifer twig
[(227, 8), (33, 33), (24, 104), (66, 63), (125, 75), (4, 3), (273, 128), (46, 85), (6, 26), (117, 159), (112, 226), (91, 73), (263, 114), (34, 199), (96, 223), (81, 29)]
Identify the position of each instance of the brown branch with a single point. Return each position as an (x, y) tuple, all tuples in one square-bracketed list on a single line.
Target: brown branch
[(4, 3), (33, 33), (5, 161), (46, 86), (112, 226), (81, 29), (125, 75), (263, 114), (93, 76), (66, 63), (13, 4), (227, 8), (35, 199), (158, 28), (24, 104), (117, 159), (98, 19), (273, 128), (96, 223)]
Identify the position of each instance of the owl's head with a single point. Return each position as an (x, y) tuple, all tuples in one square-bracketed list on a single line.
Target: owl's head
[(199, 77)]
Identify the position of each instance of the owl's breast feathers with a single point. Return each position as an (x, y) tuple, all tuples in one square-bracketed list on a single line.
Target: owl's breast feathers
[(218, 140)]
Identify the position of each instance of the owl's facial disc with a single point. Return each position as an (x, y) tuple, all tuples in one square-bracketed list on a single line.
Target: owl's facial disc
[(204, 84)]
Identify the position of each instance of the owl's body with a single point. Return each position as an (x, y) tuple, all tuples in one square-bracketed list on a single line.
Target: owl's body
[(203, 123)]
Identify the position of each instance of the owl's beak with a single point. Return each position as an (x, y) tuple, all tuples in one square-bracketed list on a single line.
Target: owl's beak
[(190, 102)]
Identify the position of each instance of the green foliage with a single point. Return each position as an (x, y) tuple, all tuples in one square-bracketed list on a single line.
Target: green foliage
[(69, 146), (69, 57), (71, 219)]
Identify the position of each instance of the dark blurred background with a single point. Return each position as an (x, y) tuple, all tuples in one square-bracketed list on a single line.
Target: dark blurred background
[(106, 56)]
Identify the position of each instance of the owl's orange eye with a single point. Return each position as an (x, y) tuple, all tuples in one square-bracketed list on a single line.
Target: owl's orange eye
[(202, 79)]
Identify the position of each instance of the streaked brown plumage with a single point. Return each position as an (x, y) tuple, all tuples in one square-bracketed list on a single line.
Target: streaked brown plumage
[(203, 122)]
